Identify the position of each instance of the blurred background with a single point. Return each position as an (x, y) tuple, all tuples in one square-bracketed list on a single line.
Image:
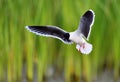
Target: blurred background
[(26, 57)]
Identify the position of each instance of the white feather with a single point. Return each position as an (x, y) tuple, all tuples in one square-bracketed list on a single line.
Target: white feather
[(86, 49)]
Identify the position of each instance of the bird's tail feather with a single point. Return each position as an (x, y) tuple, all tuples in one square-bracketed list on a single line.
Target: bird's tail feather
[(85, 48)]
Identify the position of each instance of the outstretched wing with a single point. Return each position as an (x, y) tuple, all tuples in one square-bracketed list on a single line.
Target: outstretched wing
[(86, 23), (51, 31)]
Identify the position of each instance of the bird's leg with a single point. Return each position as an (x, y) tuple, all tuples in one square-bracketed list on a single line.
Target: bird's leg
[(84, 48), (80, 46), (83, 45)]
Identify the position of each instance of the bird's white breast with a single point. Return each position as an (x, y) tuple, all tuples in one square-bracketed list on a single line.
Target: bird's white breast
[(77, 38)]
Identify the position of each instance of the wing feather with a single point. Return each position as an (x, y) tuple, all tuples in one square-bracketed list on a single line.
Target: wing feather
[(86, 23), (50, 31)]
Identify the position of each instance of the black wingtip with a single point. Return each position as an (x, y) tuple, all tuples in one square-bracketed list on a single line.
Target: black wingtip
[(89, 14)]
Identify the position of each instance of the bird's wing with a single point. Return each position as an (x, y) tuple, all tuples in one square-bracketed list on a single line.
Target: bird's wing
[(51, 31), (86, 23)]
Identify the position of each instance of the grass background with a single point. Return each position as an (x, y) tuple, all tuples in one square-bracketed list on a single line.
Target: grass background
[(19, 47)]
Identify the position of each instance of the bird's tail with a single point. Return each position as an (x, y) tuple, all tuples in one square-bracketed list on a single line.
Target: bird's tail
[(85, 48)]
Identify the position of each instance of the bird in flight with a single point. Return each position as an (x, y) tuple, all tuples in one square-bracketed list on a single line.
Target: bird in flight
[(79, 36)]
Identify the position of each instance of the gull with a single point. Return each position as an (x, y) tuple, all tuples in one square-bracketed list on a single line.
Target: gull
[(79, 36)]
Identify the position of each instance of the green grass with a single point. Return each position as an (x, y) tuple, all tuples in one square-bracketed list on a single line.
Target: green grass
[(19, 46)]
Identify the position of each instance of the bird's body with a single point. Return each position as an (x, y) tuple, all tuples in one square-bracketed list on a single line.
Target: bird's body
[(78, 36)]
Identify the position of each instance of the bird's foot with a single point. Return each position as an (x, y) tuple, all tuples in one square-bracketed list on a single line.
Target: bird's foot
[(84, 48)]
